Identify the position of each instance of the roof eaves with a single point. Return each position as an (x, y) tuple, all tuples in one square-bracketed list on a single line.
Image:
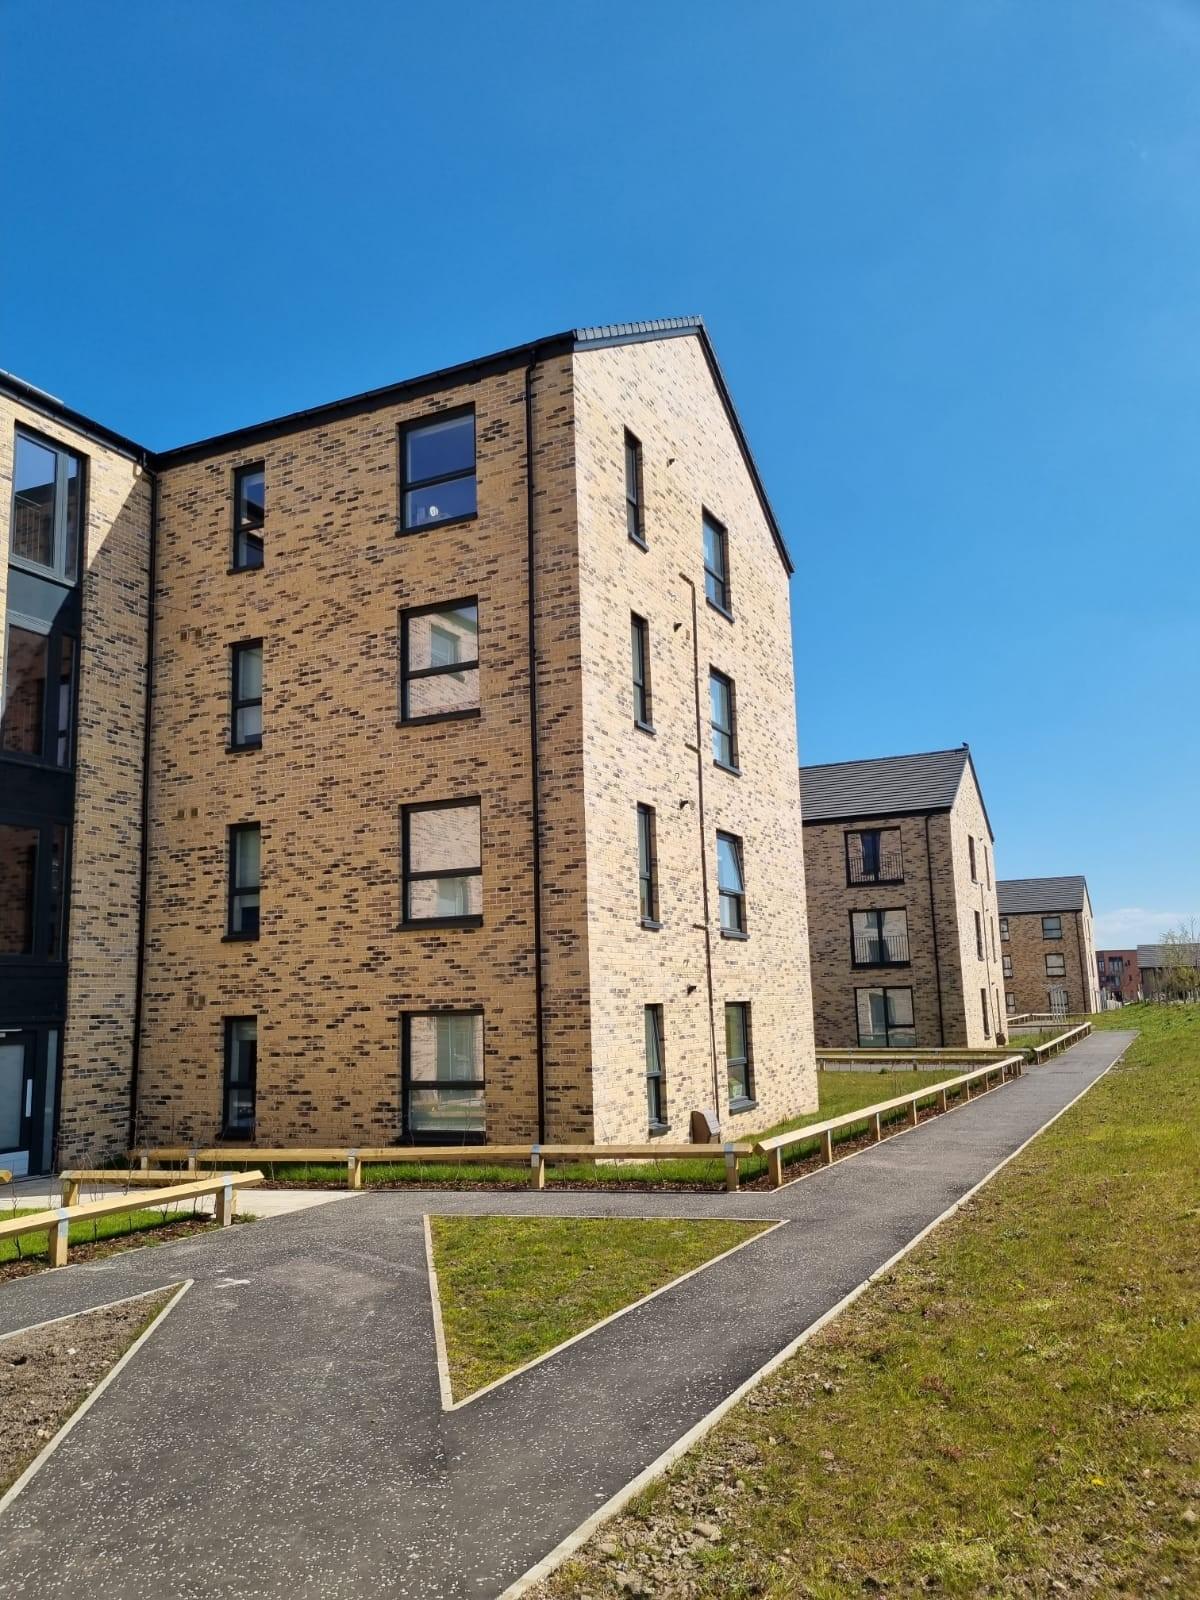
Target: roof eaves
[(49, 406)]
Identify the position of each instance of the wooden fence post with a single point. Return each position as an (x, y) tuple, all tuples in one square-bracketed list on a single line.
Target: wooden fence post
[(59, 1237), (943, 1100), (537, 1168), (731, 1169), (775, 1168), (192, 1162), (223, 1207), (827, 1147), (877, 1129), (353, 1170), (913, 1118), (71, 1192)]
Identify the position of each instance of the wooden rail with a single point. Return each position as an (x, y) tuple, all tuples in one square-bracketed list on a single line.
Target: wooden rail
[(58, 1219), (1053, 1047), (73, 1180), (1011, 1066), (936, 1056), (534, 1156)]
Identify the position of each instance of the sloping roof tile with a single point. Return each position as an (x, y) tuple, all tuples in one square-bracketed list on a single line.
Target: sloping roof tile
[(883, 786), (1018, 897)]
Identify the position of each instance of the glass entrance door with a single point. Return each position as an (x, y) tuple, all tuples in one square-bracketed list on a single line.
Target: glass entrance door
[(16, 1101)]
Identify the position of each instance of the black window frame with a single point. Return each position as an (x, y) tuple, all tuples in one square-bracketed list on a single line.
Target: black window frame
[(980, 948), (228, 1131), (49, 911), (971, 855), (732, 765), (656, 1088), (248, 535), (643, 688), (635, 503), (235, 891), (1003, 930), (1006, 965), (409, 675), (986, 1005), (58, 640), (647, 840), (879, 912), (741, 929), (407, 484), (886, 989), (238, 702), (1010, 1003), (1055, 955), (470, 919), (744, 1101), (60, 571), (864, 877), (1053, 917), (434, 1136), (720, 579)]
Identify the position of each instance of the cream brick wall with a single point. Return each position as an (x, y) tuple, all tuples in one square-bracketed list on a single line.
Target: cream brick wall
[(969, 975)]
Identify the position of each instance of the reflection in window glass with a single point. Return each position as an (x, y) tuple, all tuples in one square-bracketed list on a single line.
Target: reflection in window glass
[(440, 661), (442, 868), (26, 672), (18, 880), (439, 470), (444, 1076)]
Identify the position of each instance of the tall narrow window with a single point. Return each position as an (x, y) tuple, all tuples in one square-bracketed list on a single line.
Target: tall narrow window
[(979, 936), (1003, 928), (716, 564), (245, 849), (647, 866), (241, 1077), (438, 465), (971, 851), (737, 1054), (731, 884), (987, 867), (879, 938), (1006, 966), (443, 872), (1010, 1002), (634, 511), (47, 508), (245, 715), (443, 1087), (439, 661), (656, 1099), (18, 888), (724, 719), (39, 693), (249, 516), (987, 1019), (56, 904), (639, 630)]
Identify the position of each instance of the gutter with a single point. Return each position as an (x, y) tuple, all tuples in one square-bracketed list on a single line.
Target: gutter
[(144, 849), (937, 960), (535, 809), (708, 962)]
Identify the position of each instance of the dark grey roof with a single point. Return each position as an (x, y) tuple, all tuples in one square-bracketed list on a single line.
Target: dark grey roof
[(882, 786), (1018, 897), (1156, 956)]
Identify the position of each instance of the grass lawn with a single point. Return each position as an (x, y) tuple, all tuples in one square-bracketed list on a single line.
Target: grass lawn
[(89, 1231), (1014, 1410), (512, 1288)]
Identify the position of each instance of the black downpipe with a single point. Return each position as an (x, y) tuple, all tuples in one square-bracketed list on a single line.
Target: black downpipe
[(937, 963), (535, 770), (144, 864), (708, 964)]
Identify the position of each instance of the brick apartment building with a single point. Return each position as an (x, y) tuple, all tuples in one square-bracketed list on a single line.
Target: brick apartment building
[(1170, 971), (898, 856), (462, 729), (1049, 949), (1118, 976)]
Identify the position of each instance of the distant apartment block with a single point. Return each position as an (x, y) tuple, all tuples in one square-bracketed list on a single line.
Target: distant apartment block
[(1049, 950), (446, 790), (1118, 975), (903, 929), (1169, 971)]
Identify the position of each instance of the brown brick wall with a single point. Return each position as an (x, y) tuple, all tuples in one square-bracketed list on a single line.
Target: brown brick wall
[(1030, 983)]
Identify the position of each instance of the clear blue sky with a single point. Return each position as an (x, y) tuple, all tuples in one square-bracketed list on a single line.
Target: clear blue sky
[(949, 253)]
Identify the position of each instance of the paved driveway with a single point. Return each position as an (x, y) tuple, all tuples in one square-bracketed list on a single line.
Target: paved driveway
[(282, 1433)]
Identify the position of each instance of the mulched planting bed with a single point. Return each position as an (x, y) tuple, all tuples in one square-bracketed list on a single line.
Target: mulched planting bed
[(144, 1237), (47, 1373)]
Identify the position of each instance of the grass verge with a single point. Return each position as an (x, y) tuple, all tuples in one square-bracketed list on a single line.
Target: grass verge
[(1014, 1410), (512, 1288), (91, 1230)]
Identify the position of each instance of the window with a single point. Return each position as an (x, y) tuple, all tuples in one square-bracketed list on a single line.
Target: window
[(241, 1077), (716, 565), (979, 936), (1051, 927), (655, 1094), (971, 851), (249, 515), (993, 933), (1004, 927), (873, 856), (47, 507), (33, 877), (724, 720), (635, 519), (439, 661), (737, 1054), (879, 938), (39, 693), (731, 884), (443, 873), (885, 1018), (987, 867), (1006, 967), (1114, 964), (443, 1077), (1010, 1003), (1056, 966), (245, 851), (437, 461), (647, 867), (987, 1016), (639, 630), (245, 711)]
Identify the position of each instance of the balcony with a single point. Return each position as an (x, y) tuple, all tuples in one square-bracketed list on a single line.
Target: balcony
[(881, 949), (887, 867)]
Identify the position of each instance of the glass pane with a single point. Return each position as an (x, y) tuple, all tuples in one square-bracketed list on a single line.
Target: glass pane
[(442, 638), (445, 897), (446, 1114), (251, 498), (872, 1018), (729, 867), (249, 673), (33, 502), (26, 669), (247, 853), (446, 1049), (71, 525), (448, 691), (714, 552), (899, 1008), (631, 470), (444, 839), (245, 912), (439, 448), (51, 1092), (58, 871), (249, 725), (735, 1032), (249, 552), (439, 502), (653, 1041), (66, 702), (12, 1094), (18, 874)]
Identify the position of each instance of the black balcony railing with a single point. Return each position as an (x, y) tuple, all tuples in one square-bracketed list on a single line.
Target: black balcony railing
[(887, 867), (880, 949)]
